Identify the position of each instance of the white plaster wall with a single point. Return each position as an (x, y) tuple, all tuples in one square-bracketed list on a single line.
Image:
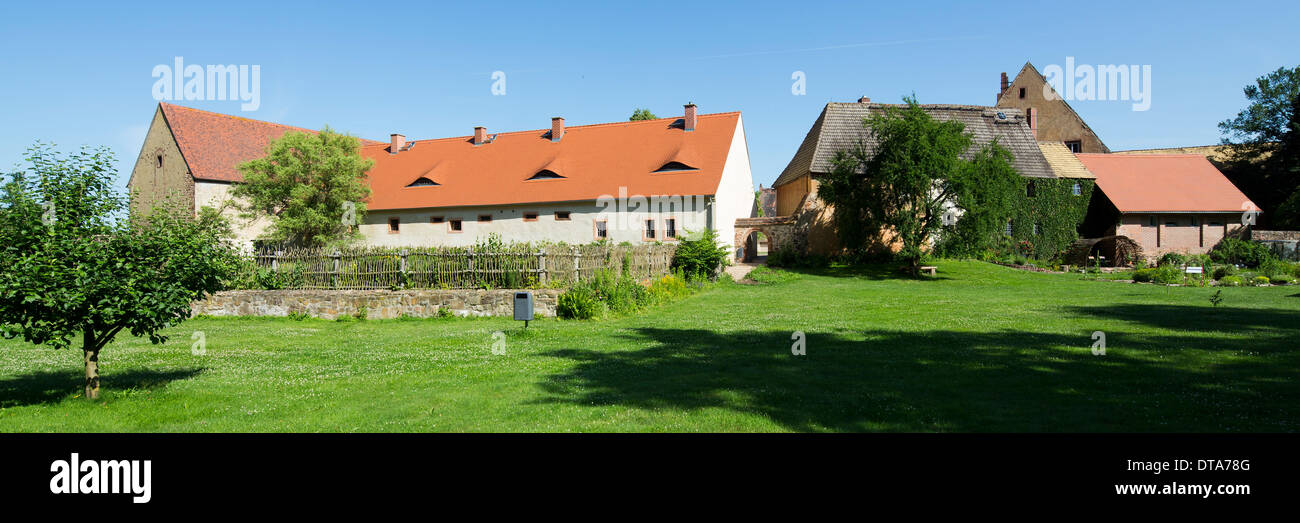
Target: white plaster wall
[(416, 229), (735, 197), (213, 194)]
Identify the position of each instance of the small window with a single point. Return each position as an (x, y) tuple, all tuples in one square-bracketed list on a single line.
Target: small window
[(159, 160), (1075, 146), (1216, 224), (436, 219), (423, 182), (602, 230), (1077, 190), (1171, 223), (1037, 229), (1022, 92), (649, 230), (455, 225), (674, 166), (1008, 229), (670, 228), (1152, 221), (1030, 190), (484, 218), (394, 225), (562, 215), (546, 174), (530, 216), (1195, 221)]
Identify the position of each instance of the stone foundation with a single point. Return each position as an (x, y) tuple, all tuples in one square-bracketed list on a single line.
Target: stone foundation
[(329, 305)]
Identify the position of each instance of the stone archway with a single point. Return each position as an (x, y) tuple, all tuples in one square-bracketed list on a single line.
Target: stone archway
[(778, 232)]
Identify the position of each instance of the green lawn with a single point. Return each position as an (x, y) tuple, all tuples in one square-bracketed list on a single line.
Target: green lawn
[(979, 348)]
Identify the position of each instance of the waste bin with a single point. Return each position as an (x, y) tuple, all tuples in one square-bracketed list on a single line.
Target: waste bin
[(524, 307)]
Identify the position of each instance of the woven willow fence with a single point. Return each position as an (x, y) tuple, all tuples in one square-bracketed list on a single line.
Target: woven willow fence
[(449, 267)]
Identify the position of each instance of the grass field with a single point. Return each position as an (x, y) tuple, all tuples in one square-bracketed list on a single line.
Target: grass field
[(978, 348)]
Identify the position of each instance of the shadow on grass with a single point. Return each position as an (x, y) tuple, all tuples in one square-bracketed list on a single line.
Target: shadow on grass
[(938, 381), (1197, 318), (44, 387)]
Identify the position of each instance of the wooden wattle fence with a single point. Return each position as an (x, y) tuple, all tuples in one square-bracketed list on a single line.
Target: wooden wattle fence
[(449, 267)]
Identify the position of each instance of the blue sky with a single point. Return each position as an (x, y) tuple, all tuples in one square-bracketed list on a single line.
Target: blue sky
[(83, 74)]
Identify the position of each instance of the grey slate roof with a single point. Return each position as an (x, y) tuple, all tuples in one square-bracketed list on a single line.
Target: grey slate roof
[(839, 127)]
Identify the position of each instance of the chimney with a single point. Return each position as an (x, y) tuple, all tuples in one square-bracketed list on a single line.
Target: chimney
[(864, 100), (1005, 83), (1032, 117), (480, 135), (689, 120), (557, 128), (398, 142)]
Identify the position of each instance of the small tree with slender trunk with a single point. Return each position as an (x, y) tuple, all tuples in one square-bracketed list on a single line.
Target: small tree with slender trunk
[(77, 266)]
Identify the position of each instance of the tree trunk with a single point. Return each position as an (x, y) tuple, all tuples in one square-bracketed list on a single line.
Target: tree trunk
[(91, 354)]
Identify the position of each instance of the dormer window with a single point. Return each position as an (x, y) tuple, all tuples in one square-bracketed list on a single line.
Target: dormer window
[(546, 174), (423, 182), (674, 167)]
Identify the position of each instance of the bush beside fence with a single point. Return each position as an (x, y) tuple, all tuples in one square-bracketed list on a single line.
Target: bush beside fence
[(498, 267)]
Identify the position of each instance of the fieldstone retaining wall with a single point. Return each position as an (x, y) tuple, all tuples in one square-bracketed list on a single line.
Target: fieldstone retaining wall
[(330, 304)]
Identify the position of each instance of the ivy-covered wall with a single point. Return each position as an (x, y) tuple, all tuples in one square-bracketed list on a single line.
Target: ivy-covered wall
[(1056, 210)]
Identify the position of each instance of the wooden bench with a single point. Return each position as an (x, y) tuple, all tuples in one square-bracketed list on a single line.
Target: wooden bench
[(929, 269)]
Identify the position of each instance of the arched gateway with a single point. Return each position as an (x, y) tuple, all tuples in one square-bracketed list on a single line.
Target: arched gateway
[(778, 232)]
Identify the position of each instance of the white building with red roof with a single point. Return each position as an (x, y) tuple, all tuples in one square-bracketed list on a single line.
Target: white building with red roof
[(634, 181)]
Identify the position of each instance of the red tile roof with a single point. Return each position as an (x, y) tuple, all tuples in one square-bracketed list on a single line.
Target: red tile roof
[(594, 160), (214, 144), (1164, 183)]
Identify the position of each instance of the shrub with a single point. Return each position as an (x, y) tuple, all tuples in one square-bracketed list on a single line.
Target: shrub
[(698, 255), (1224, 270), (1240, 252), (1275, 267), (669, 287), (580, 303), (1259, 280), (1144, 275), (362, 313), (1231, 281), (1281, 280), (1173, 258)]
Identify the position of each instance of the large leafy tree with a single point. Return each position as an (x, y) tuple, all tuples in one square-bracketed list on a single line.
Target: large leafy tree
[(76, 266), (1265, 155), (900, 189), (311, 185)]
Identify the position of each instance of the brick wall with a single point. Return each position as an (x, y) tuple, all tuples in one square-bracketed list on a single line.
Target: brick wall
[(379, 304)]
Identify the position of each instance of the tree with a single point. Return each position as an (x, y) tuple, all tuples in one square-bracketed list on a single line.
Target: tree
[(311, 185), (642, 114), (75, 265), (904, 185), (1264, 158)]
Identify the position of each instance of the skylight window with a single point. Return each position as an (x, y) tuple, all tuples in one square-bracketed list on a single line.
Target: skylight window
[(423, 182), (675, 166), (546, 174)]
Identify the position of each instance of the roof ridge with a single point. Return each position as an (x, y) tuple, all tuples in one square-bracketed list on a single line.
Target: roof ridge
[(567, 128)]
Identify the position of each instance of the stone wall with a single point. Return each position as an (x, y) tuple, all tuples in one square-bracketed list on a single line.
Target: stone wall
[(329, 304)]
